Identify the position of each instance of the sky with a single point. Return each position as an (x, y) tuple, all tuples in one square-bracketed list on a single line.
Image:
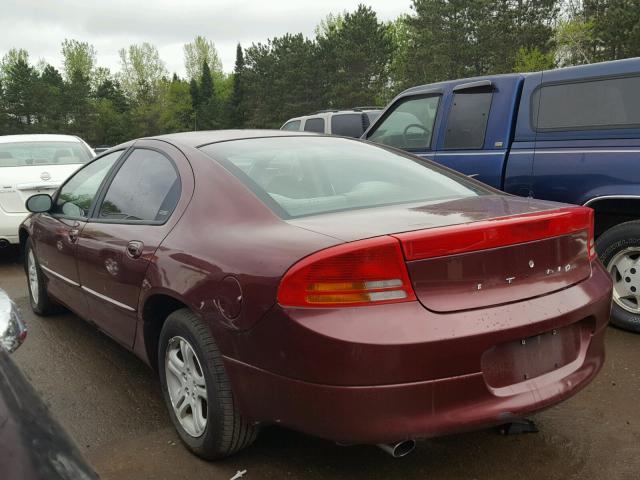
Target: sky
[(39, 26)]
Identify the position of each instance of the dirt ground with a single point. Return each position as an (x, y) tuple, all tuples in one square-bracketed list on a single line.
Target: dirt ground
[(111, 404)]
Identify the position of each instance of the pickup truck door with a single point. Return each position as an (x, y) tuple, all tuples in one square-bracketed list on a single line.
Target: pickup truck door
[(476, 130)]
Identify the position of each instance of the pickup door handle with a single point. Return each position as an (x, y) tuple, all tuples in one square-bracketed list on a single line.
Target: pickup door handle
[(134, 248)]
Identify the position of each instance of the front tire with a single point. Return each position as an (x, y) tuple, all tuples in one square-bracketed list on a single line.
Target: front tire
[(197, 390), (619, 251), (41, 303)]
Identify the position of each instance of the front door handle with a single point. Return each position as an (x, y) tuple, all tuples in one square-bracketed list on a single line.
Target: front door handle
[(134, 248), (72, 234)]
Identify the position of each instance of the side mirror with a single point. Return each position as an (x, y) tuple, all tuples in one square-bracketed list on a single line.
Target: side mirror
[(39, 203), (12, 328)]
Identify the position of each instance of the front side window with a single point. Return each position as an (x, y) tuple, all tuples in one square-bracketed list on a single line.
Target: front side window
[(146, 188), (409, 125), (314, 125), (467, 121), (297, 176), (23, 154), (292, 126), (76, 196), (596, 104)]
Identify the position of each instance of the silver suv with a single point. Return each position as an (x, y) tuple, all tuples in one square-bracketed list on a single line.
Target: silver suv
[(346, 123)]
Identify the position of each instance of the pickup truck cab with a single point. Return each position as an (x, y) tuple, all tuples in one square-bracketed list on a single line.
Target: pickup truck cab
[(570, 135)]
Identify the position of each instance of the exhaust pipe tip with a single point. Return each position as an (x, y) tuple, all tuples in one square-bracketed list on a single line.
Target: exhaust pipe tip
[(399, 449)]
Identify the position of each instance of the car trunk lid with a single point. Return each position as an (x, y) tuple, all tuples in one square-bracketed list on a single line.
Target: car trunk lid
[(17, 184), (477, 252), (500, 260)]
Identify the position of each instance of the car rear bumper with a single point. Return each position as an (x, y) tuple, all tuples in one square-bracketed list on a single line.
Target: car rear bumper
[(446, 403)]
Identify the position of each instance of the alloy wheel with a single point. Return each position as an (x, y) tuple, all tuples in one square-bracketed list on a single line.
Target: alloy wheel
[(186, 386), (32, 271)]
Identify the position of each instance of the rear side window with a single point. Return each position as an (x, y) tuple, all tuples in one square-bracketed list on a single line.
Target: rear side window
[(146, 188), (314, 125), (409, 125), (348, 124), (298, 176), (293, 126), (599, 104), (467, 121)]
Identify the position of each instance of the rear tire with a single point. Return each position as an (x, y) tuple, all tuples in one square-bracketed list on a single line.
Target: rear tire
[(41, 302), (189, 361), (619, 251)]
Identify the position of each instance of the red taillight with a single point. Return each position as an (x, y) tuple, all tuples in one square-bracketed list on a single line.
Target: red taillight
[(365, 272), (469, 237)]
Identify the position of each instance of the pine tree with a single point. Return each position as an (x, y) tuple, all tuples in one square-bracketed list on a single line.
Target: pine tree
[(236, 104)]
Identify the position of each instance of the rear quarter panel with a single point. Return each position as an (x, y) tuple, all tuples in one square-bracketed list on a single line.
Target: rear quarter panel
[(225, 257)]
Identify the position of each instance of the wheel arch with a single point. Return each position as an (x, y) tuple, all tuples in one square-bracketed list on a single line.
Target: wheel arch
[(155, 310), (611, 210), (23, 235)]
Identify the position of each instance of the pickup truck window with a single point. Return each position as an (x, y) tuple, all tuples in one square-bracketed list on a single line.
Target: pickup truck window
[(409, 125), (467, 121), (598, 104)]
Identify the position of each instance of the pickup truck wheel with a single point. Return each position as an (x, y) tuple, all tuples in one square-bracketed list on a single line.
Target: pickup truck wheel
[(619, 250), (197, 390), (41, 303)]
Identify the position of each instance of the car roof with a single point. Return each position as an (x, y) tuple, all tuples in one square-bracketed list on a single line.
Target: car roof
[(39, 137), (204, 137)]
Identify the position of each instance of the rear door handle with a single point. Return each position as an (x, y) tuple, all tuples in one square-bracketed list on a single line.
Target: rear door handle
[(134, 248)]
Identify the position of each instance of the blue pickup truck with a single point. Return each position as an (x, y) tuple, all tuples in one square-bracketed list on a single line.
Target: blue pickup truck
[(570, 135)]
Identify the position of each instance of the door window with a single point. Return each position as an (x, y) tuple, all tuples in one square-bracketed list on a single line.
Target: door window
[(467, 122), (146, 188), (76, 196), (409, 125), (314, 125)]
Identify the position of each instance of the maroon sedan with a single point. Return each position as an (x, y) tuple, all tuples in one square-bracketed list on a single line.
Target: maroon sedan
[(339, 288)]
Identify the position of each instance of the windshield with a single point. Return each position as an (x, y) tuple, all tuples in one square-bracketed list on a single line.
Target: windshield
[(21, 154), (298, 176)]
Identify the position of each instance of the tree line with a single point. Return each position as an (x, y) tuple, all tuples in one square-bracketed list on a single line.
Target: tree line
[(353, 59)]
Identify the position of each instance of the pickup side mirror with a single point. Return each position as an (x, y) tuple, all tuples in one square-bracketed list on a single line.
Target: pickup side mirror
[(12, 329), (39, 203)]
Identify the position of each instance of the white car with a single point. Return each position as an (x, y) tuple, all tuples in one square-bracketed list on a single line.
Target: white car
[(31, 164), (346, 123)]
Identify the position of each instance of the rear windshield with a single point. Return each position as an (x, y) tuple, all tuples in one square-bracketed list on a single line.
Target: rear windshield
[(298, 176), (21, 154)]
